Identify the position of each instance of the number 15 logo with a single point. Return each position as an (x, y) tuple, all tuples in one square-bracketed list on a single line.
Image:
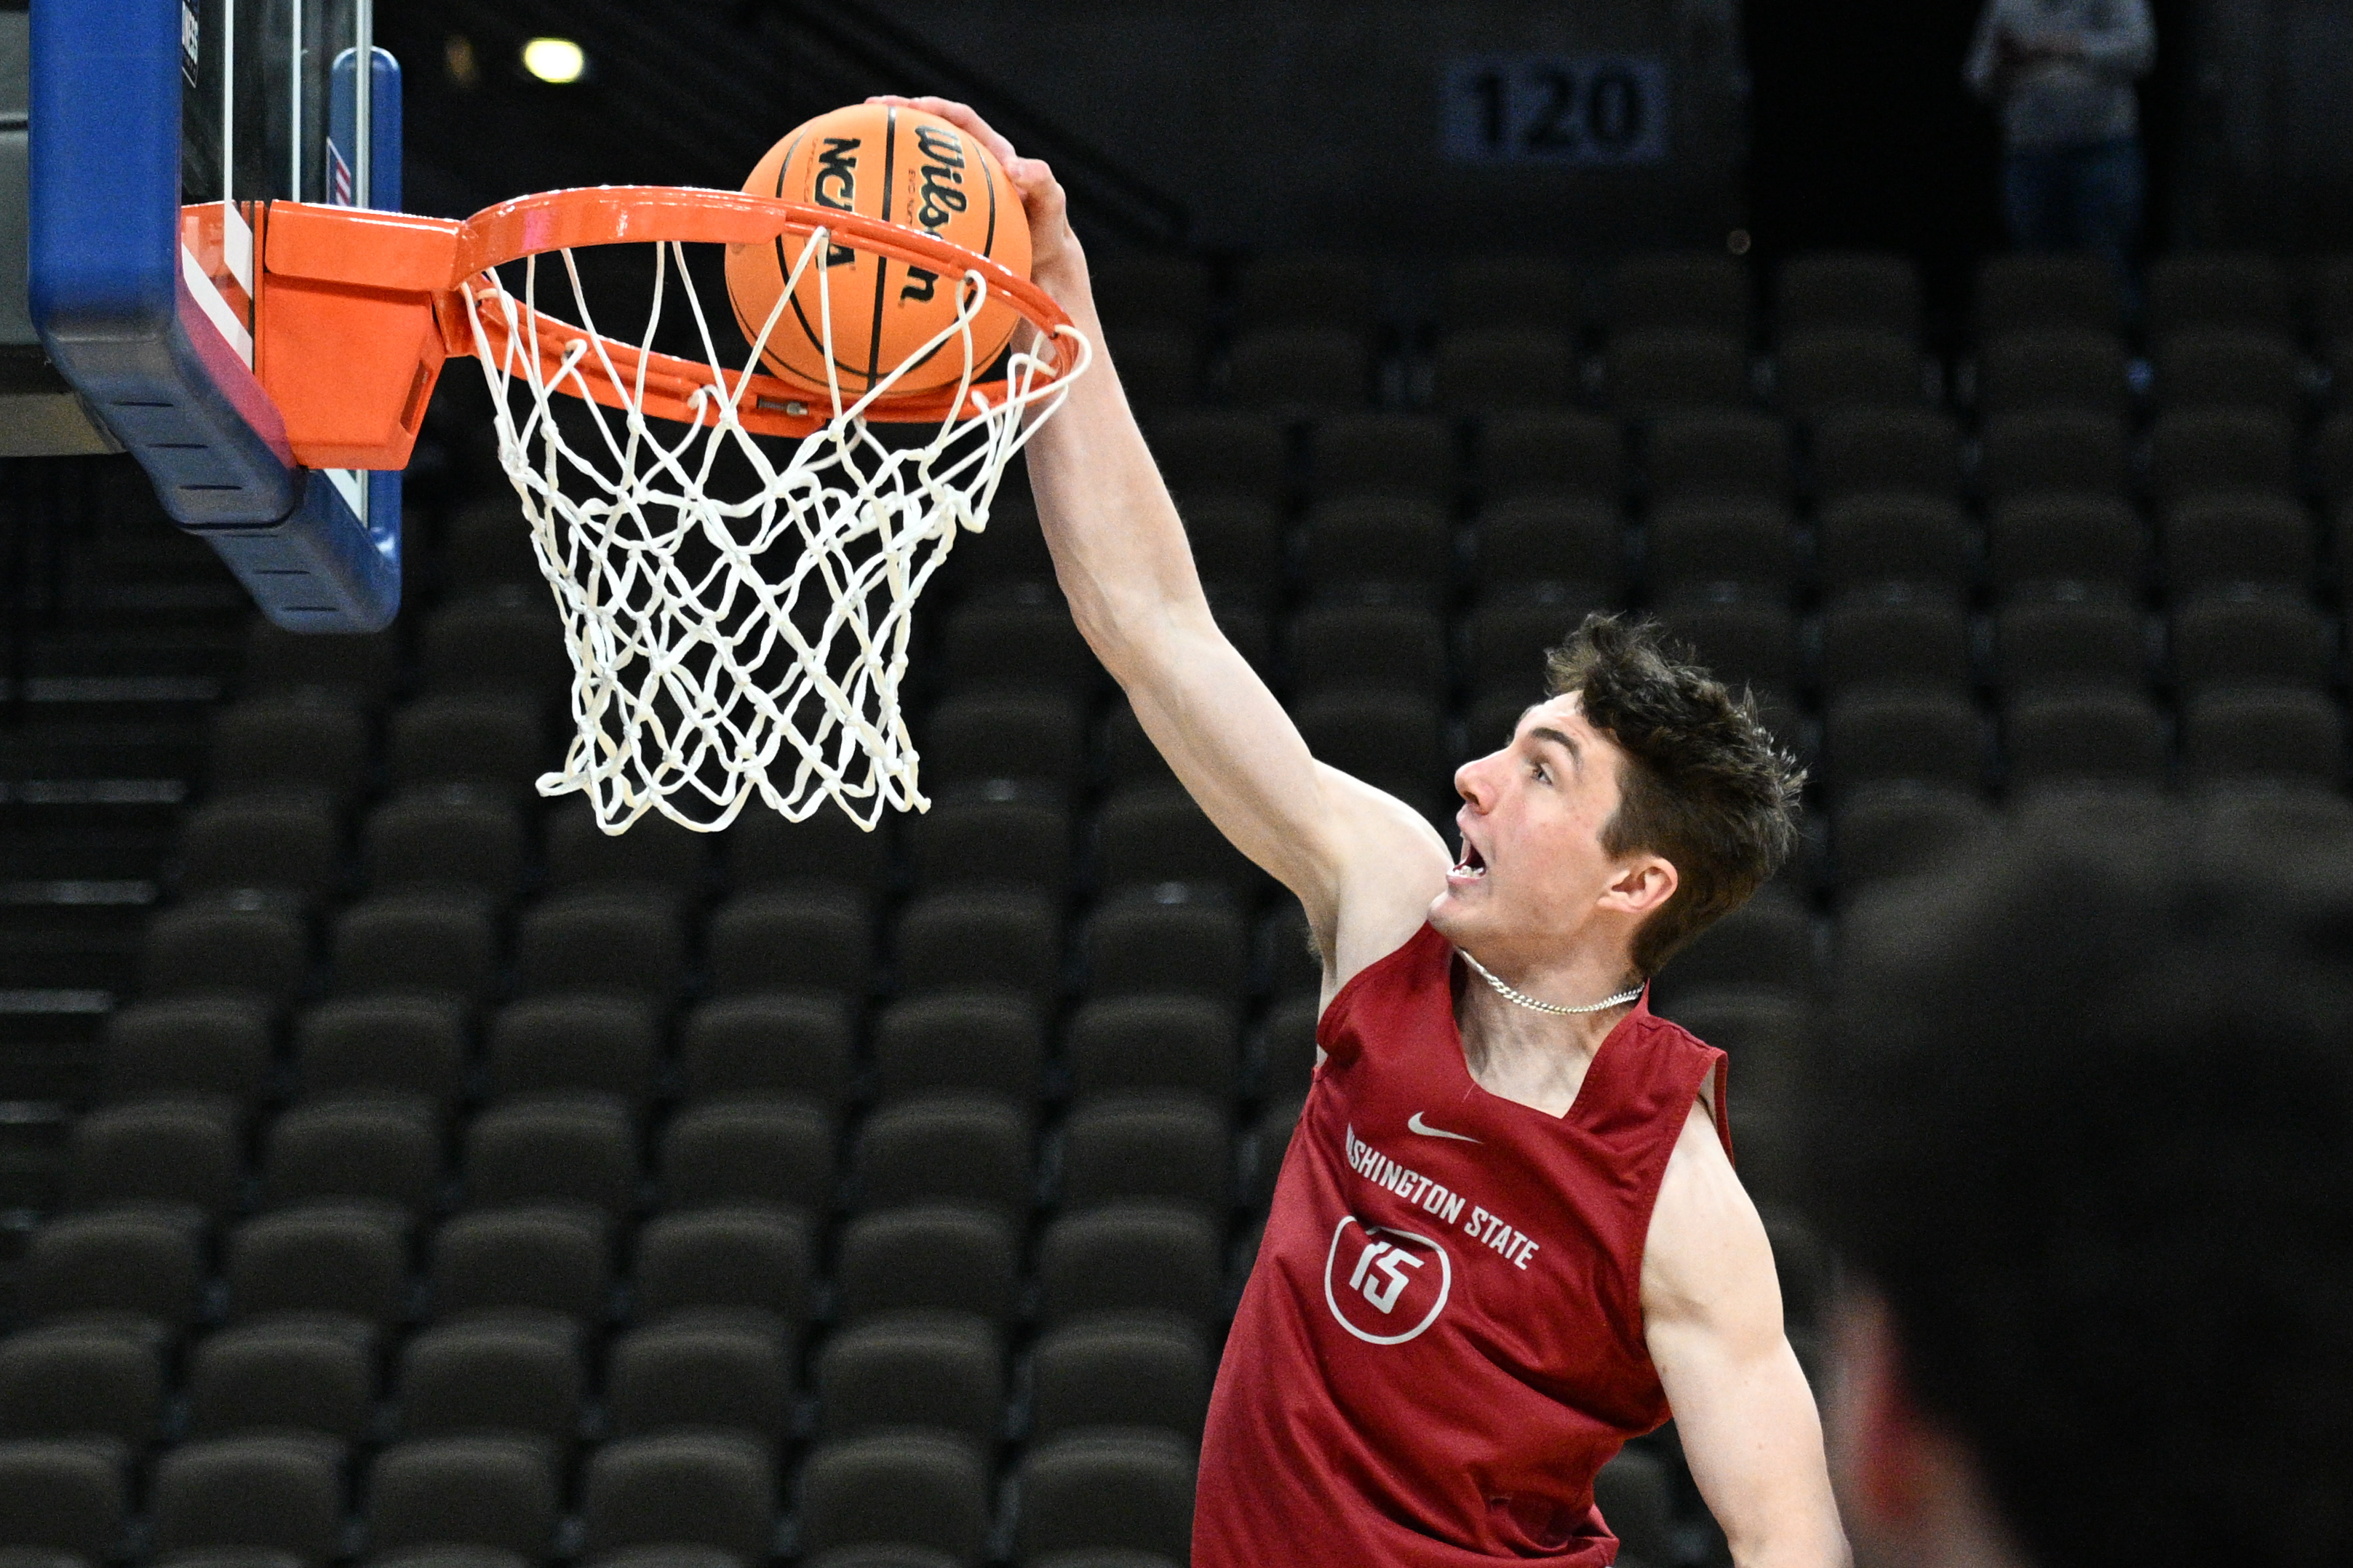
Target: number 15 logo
[(1388, 1271)]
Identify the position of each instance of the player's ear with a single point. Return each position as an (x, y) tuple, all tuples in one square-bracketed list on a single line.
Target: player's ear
[(1643, 884)]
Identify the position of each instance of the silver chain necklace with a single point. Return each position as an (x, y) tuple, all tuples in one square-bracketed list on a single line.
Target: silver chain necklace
[(1524, 1000)]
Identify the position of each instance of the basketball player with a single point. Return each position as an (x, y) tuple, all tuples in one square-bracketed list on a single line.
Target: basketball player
[(1507, 1235)]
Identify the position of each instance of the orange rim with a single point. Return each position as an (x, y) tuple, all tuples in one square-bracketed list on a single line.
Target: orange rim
[(766, 404)]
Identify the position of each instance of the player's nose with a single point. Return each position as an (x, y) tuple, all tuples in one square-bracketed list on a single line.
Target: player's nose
[(1472, 781)]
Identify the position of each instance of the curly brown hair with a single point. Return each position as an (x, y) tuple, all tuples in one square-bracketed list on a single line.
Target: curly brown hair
[(1707, 786)]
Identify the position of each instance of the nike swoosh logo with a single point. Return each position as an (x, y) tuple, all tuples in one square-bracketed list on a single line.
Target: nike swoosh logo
[(1414, 1124)]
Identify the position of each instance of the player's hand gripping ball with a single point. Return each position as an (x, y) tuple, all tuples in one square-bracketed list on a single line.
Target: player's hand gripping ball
[(905, 167)]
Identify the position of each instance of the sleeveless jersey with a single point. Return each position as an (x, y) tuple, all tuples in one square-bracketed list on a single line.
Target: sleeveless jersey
[(1442, 1341)]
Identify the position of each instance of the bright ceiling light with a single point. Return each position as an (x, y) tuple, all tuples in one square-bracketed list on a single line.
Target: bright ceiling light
[(558, 61)]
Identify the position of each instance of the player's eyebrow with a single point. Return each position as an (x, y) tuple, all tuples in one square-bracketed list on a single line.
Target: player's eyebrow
[(1560, 739)]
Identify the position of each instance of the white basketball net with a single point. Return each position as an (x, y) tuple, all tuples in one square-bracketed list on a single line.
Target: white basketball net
[(734, 635)]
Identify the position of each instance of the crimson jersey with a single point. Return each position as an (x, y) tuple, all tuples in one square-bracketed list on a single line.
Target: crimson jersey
[(1442, 1341)]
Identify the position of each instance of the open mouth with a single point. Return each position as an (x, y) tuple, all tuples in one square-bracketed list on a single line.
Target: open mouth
[(1472, 863)]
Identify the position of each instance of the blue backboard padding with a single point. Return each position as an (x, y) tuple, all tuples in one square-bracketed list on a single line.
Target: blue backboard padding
[(116, 319), (384, 487)]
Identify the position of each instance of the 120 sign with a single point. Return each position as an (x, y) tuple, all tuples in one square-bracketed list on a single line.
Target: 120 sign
[(1556, 109)]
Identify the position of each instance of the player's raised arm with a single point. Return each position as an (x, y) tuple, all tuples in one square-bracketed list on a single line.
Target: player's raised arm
[(1121, 555)]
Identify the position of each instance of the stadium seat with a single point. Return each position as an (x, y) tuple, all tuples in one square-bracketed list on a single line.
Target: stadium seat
[(193, 1046), (1038, 737), (479, 1490), (1519, 289), (1717, 455), (397, 1045), (700, 1375), (1864, 451), (81, 1380), (285, 843), (1152, 289), (2066, 538), (995, 833), (1236, 541), (1635, 1495), (1300, 370), (814, 938), (2064, 737), (1901, 636), (947, 1148), (1409, 455), (1025, 642), (140, 1268), (512, 1375), (1307, 288), (1382, 648), (601, 940), (360, 669), (2291, 735), (702, 1488), (1171, 938), (765, 850), (300, 1374), (1820, 369), (1130, 1257), (766, 1152), (1575, 543), (1154, 833), (574, 1150), (2196, 451), (982, 939), (2079, 640), (1162, 1146), (929, 1257), (986, 1043), (1159, 367), (183, 1152), (1742, 641), (1119, 1372), (1547, 452), (1287, 952), (2049, 449), (655, 854), (902, 1489), (1287, 1044), (279, 1493), (1502, 370), (1127, 1489), (1924, 737), (1893, 537), (2054, 368), (422, 941), (491, 741), (747, 1264), (1129, 757), (1694, 543), (1224, 453), (1506, 637), (1673, 369), (2251, 638), (2027, 290), (338, 1261), (935, 1369), (504, 639), (486, 544), (378, 1149), (245, 944), (1149, 1042), (1405, 545), (1901, 830), (2217, 289), (2238, 538), (794, 1047), (555, 1260), (311, 741), (1699, 289), (1848, 289), (1269, 1141), (64, 1498), (1768, 942), (451, 835), (2227, 367), (1391, 742), (578, 1044)]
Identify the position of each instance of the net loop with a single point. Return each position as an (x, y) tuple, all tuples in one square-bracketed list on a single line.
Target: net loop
[(737, 609)]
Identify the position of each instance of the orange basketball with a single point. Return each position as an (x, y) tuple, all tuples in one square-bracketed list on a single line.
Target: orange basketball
[(905, 167)]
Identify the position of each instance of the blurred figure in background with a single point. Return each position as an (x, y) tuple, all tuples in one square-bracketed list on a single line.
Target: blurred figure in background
[(2084, 1142), (2061, 72)]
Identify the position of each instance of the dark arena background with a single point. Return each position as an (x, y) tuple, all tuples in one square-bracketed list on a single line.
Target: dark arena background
[(388, 1158)]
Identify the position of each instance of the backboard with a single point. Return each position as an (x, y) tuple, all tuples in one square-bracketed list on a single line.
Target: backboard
[(158, 131)]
